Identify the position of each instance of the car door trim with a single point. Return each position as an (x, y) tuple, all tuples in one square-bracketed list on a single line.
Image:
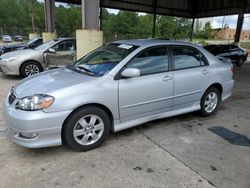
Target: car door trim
[(148, 102), (189, 93)]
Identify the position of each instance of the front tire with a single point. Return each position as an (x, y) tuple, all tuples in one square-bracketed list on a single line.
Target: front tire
[(210, 101), (86, 129), (30, 68)]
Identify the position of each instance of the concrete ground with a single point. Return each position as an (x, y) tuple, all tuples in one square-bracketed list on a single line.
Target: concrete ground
[(173, 152)]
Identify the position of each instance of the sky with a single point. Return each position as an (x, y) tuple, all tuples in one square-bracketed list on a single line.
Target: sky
[(231, 21), (216, 22)]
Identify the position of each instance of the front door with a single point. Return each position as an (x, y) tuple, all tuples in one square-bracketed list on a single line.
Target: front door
[(151, 93), (65, 54)]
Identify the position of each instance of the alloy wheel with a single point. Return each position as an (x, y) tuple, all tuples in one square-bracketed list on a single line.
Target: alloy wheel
[(211, 102), (88, 129), (31, 69)]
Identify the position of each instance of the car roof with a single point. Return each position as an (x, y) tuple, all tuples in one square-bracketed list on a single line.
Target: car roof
[(151, 42)]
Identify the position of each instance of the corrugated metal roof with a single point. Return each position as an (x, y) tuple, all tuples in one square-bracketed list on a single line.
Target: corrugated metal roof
[(179, 8)]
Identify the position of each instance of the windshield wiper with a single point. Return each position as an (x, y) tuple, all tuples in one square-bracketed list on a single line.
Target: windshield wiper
[(84, 68)]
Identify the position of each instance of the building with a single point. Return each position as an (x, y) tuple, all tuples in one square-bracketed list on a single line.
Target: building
[(228, 34)]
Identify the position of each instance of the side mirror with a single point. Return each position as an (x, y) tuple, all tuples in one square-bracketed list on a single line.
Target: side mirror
[(131, 72), (52, 50)]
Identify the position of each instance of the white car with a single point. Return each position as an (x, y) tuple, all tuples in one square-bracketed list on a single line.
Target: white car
[(6, 38)]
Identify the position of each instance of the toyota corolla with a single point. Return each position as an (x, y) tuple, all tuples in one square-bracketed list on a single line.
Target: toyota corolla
[(115, 87)]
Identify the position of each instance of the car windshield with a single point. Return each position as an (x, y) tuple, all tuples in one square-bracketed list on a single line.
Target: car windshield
[(103, 59), (45, 45)]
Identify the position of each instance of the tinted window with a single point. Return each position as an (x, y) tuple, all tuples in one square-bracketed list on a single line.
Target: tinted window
[(186, 57), (234, 47), (65, 46), (225, 48), (151, 61), (38, 42)]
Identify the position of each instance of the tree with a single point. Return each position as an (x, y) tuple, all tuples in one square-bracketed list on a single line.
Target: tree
[(166, 27), (197, 27), (207, 31)]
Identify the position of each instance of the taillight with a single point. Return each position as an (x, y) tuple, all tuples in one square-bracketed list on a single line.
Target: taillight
[(233, 69)]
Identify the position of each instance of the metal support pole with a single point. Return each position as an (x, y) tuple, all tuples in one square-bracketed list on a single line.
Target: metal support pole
[(83, 14), (154, 23), (192, 30), (101, 17), (239, 27), (49, 11), (154, 19), (90, 14)]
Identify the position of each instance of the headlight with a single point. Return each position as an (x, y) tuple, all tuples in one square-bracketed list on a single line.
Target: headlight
[(10, 59), (35, 102)]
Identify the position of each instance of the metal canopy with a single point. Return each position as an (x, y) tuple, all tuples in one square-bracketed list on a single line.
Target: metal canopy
[(179, 8)]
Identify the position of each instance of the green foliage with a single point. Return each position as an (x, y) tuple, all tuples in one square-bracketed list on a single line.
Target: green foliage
[(140, 26), (245, 45), (16, 19), (205, 33)]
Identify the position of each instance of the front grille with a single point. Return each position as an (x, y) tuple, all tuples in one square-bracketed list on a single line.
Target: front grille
[(12, 98)]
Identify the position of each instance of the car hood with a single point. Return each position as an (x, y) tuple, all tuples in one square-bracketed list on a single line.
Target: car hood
[(19, 53), (50, 81)]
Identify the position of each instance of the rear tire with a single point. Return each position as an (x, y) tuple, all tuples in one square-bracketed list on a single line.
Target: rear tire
[(30, 68), (86, 128), (210, 101)]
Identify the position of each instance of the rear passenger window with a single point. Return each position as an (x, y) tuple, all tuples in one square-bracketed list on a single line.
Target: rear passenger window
[(187, 57), (151, 61)]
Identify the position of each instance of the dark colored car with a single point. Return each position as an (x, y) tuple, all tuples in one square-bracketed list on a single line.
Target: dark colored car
[(237, 54), (33, 43), (18, 38)]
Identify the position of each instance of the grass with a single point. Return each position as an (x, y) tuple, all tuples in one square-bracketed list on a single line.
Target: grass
[(245, 45)]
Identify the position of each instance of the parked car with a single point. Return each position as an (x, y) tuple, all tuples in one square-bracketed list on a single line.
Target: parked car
[(31, 44), (18, 38), (117, 86), (237, 54), (55, 53), (6, 38)]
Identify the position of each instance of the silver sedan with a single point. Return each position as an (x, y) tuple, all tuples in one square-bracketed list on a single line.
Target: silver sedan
[(55, 53), (118, 86)]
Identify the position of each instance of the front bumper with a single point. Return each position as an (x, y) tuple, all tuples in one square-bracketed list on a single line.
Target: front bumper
[(46, 127), (9, 68)]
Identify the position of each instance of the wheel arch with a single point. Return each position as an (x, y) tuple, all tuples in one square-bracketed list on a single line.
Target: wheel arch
[(29, 60), (103, 107), (217, 86)]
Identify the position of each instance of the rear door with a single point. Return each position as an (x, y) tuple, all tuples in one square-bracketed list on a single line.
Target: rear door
[(191, 76), (65, 54), (152, 92)]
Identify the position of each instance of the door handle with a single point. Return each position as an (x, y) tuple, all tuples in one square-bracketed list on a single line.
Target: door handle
[(205, 71), (167, 78)]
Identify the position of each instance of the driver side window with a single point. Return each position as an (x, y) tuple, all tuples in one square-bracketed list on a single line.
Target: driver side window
[(151, 61), (64, 46)]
